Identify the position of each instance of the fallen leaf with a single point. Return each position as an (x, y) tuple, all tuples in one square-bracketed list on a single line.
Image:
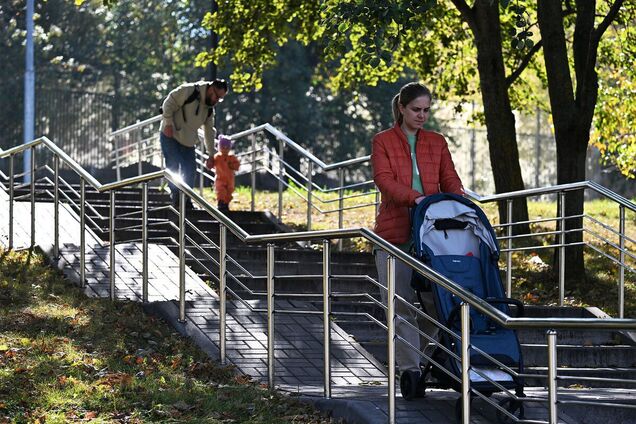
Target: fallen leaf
[(90, 415)]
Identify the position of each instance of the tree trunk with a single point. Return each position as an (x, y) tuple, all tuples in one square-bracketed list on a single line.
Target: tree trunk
[(572, 113), (500, 121)]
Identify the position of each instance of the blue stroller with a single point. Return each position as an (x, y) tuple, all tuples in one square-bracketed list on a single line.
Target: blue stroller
[(453, 236)]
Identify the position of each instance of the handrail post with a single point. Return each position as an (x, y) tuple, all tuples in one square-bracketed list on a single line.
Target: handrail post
[(340, 203), (281, 177), (465, 320), (390, 326), (310, 171), (253, 173), (326, 314), (83, 232), (222, 291), (11, 196), (377, 201), (144, 242), (182, 290), (509, 254), (621, 271), (270, 315), (117, 166), (562, 248), (202, 164), (552, 376), (139, 153), (56, 207), (111, 238), (32, 177)]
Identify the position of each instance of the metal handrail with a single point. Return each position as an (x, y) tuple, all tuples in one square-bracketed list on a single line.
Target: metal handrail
[(469, 299), (481, 305), (554, 189)]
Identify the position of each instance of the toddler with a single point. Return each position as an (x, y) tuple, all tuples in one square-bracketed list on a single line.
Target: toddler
[(225, 164)]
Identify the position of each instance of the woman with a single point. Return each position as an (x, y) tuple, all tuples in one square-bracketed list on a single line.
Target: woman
[(408, 163)]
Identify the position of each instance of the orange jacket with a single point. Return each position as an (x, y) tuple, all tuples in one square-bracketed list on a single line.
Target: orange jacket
[(393, 174), (225, 165)]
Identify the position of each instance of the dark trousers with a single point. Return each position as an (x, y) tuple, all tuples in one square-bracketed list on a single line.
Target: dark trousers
[(180, 159)]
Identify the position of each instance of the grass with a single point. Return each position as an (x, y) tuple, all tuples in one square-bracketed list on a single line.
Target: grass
[(68, 358), (534, 279)]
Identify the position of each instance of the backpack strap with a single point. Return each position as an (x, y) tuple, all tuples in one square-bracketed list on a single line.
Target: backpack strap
[(194, 96)]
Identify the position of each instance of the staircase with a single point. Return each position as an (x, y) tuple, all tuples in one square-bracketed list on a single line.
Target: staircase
[(579, 353)]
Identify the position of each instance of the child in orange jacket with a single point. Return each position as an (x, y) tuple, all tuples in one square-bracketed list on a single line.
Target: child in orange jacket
[(225, 164)]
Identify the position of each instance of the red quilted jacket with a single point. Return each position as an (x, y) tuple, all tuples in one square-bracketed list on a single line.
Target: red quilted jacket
[(392, 173)]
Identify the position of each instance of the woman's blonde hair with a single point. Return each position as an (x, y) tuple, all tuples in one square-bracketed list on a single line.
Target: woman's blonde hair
[(407, 94)]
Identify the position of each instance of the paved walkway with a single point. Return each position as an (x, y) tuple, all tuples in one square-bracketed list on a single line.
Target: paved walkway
[(359, 383)]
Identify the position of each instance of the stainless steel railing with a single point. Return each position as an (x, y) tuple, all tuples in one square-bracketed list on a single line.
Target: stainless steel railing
[(470, 300), (258, 157)]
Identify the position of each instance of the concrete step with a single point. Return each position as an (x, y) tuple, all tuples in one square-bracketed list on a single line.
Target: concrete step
[(578, 377), (579, 356)]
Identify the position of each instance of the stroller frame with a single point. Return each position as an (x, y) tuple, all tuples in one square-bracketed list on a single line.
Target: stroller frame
[(453, 236)]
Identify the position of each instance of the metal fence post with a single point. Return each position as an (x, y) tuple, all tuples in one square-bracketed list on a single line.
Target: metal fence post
[(182, 290), (509, 255), (552, 376), (281, 177), (56, 207), (144, 242), (83, 232), (621, 271), (11, 196), (222, 290), (465, 319), (32, 176), (270, 315), (310, 171), (326, 314), (562, 248), (253, 173), (390, 325), (112, 245)]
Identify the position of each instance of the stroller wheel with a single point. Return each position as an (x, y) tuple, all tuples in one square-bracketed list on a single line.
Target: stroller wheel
[(514, 407), (409, 381)]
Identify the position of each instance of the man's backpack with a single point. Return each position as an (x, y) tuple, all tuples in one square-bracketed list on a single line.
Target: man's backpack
[(194, 96)]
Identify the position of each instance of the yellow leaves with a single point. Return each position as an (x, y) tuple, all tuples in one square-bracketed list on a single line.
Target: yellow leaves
[(243, 379), (176, 363), (133, 360), (531, 298), (115, 379)]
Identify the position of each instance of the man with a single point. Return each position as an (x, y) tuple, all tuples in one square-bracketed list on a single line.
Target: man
[(186, 109)]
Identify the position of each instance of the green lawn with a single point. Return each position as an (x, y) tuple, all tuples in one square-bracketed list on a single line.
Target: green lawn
[(534, 281), (68, 358)]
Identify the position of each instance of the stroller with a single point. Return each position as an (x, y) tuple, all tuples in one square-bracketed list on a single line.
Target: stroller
[(453, 236)]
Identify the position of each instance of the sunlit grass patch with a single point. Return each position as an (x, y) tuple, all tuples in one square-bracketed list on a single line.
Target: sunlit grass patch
[(67, 358)]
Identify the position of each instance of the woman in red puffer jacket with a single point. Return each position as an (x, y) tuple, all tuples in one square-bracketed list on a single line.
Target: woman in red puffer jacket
[(408, 163)]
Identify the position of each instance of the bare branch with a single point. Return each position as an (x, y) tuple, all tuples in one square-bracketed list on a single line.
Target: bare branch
[(510, 79), (605, 23), (466, 12)]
